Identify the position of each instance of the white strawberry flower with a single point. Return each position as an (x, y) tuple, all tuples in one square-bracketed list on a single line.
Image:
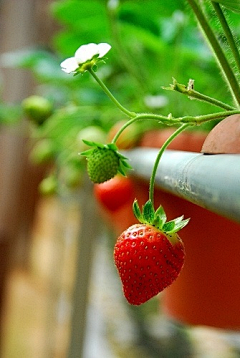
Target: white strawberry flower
[(85, 57)]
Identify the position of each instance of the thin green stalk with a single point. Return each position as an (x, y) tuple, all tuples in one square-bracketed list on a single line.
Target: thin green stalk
[(171, 121), (228, 33), (217, 49), (110, 95), (202, 97), (206, 117), (141, 116), (197, 95), (160, 153), (191, 120), (115, 138)]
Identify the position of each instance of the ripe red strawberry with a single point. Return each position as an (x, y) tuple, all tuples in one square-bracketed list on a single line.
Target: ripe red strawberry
[(149, 256), (104, 162)]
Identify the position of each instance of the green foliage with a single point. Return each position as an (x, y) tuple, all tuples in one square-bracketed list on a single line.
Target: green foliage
[(9, 114), (233, 5), (151, 42)]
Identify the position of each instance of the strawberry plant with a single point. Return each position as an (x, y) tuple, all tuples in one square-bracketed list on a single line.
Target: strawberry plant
[(143, 57), (150, 255)]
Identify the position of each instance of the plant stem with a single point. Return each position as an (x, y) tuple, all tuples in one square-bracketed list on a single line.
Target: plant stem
[(140, 116), (191, 120), (217, 49), (110, 95), (200, 96), (197, 95), (160, 153), (171, 121), (228, 33), (206, 117), (115, 138)]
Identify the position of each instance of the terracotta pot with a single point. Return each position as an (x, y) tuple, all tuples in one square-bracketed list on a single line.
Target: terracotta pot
[(224, 137)]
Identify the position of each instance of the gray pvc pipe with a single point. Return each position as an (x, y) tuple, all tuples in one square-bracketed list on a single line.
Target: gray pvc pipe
[(210, 181)]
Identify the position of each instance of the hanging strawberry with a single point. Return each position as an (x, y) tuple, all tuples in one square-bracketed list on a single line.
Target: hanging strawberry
[(149, 256), (104, 161)]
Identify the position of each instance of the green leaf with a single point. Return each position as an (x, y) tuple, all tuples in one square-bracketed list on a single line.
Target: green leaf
[(137, 211), (121, 170), (88, 142), (169, 227), (148, 212), (175, 225), (233, 5), (126, 164), (180, 225), (94, 144), (86, 153), (160, 216)]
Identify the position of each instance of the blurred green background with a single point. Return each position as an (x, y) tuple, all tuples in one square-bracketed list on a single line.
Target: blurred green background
[(151, 44)]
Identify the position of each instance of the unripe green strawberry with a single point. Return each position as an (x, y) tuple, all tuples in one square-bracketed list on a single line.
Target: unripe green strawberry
[(37, 108), (149, 256), (104, 162), (48, 185), (102, 165), (43, 151)]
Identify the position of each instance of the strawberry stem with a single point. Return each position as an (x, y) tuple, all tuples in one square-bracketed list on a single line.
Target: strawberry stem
[(222, 60), (228, 33), (110, 95), (160, 153), (192, 94)]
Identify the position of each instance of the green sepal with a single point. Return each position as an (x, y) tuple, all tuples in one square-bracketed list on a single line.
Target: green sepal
[(158, 218), (121, 169), (87, 152), (137, 211), (148, 212), (175, 225), (121, 155), (168, 227), (112, 146), (93, 144), (125, 164)]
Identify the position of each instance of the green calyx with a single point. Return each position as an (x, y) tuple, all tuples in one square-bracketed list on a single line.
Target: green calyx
[(90, 64), (104, 161), (158, 218)]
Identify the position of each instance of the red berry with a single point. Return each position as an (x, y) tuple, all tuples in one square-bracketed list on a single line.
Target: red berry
[(148, 260), (114, 193)]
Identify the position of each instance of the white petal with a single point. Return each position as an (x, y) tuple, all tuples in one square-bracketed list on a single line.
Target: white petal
[(103, 48), (69, 65), (86, 52)]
